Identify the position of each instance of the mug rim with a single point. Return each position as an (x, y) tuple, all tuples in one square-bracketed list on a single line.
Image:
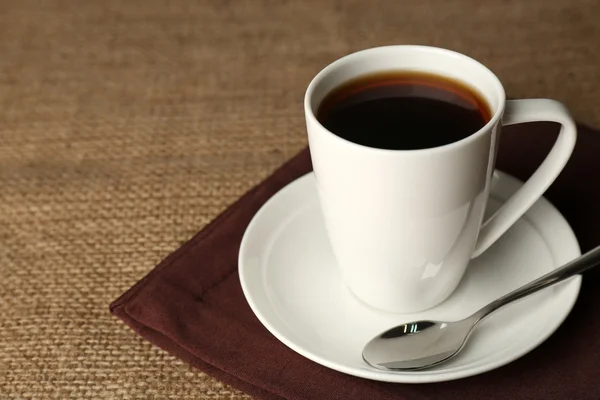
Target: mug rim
[(496, 116)]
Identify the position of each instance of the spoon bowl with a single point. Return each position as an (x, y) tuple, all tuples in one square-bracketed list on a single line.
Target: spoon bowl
[(437, 342)]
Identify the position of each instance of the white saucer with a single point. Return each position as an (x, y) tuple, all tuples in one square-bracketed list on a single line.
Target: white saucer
[(291, 281)]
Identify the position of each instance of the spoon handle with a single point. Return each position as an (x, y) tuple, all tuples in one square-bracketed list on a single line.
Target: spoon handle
[(577, 266)]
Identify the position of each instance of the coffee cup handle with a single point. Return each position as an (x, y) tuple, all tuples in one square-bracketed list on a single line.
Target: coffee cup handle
[(530, 110)]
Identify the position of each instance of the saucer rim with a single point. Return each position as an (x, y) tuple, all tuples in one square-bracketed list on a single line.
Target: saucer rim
[(431, 375)]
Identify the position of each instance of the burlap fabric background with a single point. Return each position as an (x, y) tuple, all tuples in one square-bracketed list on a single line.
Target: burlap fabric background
[(126, 126)]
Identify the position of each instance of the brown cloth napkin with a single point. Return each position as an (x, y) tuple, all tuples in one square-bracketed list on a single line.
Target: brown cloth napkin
[(192, 304)]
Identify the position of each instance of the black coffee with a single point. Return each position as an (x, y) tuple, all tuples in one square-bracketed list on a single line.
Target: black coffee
[(403, 110)]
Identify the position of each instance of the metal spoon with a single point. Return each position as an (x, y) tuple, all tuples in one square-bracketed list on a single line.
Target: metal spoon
[(422, 344)]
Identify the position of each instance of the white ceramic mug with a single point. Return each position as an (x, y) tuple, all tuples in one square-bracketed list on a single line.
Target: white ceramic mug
[(403, 224)]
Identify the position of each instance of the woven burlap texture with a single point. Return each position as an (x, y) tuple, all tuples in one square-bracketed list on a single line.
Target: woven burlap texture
[(126, 126)]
